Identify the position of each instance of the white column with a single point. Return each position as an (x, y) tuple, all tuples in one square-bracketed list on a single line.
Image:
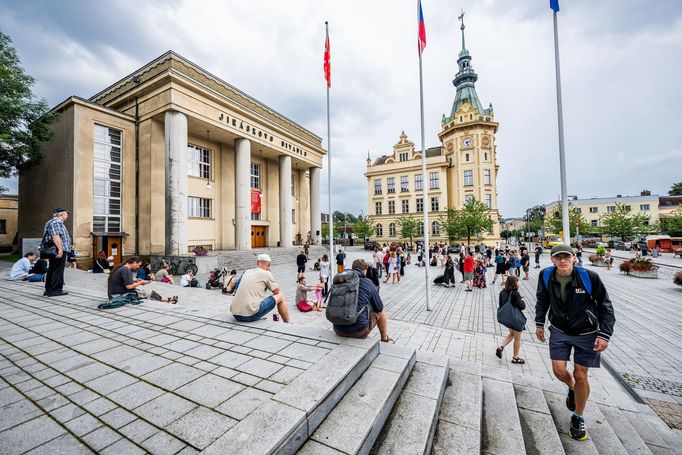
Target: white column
[(242, 148), (285, 201), (176, 182), (315, 213)]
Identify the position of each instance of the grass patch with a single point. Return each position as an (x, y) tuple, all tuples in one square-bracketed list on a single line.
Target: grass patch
[(10, 257)]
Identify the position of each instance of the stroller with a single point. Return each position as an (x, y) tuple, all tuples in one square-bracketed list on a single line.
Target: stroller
[(215, 278)]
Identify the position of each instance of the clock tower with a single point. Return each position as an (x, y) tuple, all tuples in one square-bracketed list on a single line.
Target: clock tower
[(468, 138)]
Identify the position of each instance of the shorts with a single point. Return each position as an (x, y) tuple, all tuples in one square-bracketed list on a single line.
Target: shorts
[(301, 269), (561, 344), (526, 268), (468, 275), (267, 305), (373, 319), (500, 269)]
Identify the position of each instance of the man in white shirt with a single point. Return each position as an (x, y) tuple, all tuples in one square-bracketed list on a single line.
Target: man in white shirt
[(250, 303), (22, 268), (188, 280)]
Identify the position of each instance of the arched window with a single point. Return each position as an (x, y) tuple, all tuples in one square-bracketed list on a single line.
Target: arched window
[(379, 230), (435, 228), (391, 230)]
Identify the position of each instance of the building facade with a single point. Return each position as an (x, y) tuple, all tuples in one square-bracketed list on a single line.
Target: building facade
[(172, 157), (464, 167), (9, 214)]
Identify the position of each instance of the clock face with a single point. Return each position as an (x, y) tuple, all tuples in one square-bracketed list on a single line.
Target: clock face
[(485, 141), (466, 142)]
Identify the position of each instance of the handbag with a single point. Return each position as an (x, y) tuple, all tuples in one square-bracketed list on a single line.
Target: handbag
[(510, 316), (48, 250)]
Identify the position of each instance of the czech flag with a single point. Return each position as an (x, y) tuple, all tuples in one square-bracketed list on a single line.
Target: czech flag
[(327, 62), (421, 40), (554, 4)]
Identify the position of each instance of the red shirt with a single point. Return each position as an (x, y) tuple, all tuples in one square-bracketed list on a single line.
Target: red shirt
[(469, 264)]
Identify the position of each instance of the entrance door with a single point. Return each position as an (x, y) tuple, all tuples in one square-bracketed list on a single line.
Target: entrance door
[(110, 244), (257, 236)]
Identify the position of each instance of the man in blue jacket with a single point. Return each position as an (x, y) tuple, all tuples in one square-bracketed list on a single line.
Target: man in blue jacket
[(582, 321), (370, 309)]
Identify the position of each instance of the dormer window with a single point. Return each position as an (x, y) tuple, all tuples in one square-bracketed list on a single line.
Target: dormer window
[(403, 156)]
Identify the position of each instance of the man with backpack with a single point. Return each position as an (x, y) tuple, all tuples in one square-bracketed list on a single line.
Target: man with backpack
[(340, 258), (354, 288), (538, 252), (582, 321)]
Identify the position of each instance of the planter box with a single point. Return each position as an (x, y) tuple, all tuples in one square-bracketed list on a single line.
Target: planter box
[(647, 274), (598, 263)]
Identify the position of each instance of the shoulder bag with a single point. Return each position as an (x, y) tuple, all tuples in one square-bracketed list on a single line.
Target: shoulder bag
[(510, 316)]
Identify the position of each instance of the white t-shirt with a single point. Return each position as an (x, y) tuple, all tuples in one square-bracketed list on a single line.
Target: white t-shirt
[(185, 280), (325, 269), (252, 290)]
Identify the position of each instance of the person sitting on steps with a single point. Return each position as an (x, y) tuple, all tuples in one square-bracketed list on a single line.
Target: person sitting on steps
[(250, 303)]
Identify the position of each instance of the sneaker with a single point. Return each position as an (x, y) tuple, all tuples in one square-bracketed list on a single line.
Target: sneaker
[(577, 430), (570, 400)]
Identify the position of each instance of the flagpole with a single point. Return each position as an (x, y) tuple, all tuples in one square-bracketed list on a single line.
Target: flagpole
[(329, 176), (425, 186), (562, 156)]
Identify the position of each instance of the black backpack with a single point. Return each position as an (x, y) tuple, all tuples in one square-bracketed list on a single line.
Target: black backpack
[(342, 300)]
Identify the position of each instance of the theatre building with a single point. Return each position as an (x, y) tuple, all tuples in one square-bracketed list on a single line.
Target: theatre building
[(172, 157)]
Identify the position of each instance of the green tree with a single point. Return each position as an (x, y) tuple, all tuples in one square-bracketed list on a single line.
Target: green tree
[(676, 189), (672, 224), (554, 221), (473, 219), (409, 226), (622, 222), (450, 223), (325, 231), (364, 227), (506, 234), (25, 123)]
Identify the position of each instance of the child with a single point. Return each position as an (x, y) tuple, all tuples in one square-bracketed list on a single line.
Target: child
[(318, 294), (302, 289)]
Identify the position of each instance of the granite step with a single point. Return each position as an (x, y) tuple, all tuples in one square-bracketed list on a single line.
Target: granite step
[(540, 435), (562, 419), (650, 434), (459, 419), (354, 424), (632, 441), (601, 432), (671, 438), (411, 426), (501, 432)]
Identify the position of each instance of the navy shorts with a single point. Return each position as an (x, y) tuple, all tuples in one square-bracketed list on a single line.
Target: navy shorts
[(266, 306), (301, 269), (560, 346)]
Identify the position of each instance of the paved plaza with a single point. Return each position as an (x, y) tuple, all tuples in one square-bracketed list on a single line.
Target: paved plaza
[(183, 378)]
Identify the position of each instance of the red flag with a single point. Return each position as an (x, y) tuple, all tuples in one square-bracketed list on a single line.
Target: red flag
[(327, 62), (421, 40)]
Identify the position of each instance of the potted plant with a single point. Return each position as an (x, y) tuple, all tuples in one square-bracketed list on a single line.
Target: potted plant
[(624, 267), (642, 267), (597, 259), (677, 279), (200, 251)]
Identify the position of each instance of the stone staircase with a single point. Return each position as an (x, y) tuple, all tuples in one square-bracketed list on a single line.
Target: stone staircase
[(394, 400), (243, 260)]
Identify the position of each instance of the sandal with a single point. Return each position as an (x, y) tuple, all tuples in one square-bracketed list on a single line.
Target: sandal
[(498, 352), (518, 360), (388, 340)]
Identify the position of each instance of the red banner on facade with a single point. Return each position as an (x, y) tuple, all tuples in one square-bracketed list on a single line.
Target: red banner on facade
[(255, 201)]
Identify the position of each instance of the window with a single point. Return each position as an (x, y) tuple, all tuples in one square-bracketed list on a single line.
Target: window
[(420, 204), (106, 201), (404, 184), (405, 205), (391, 230), (594, 223), (468, 178), (594, 209), (434, 204), (390, 182), (418, 182), (293, 216), (255, 175), (420, 228), (468, 198), (611, 208), (377, 187), (485, 156), (199, 161), (489, 200), (403, 156), (199, 207), (433, 180), (644, 207), (628, 208), (578, 210), (255, 216), (379, 230), (466, 157), (377, 208), (3, 226), (391, 207), (435, 228), (486, 177)]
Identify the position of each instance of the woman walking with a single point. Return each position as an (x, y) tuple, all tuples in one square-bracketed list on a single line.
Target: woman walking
[(510, 296), (449, 275), (479, 272), (392, 268), (500, 267)]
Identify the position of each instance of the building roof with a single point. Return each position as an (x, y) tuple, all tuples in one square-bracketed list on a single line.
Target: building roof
[(606, 200)]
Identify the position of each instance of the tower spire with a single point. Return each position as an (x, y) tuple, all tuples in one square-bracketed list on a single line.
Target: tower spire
[(461, 19)]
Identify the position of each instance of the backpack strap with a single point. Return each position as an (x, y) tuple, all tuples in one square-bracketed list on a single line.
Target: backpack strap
[(546, 274), (582, 272)]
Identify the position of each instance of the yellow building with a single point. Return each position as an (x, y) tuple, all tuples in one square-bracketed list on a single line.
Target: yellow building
[(172, 157), (9, 208), (464, 167)]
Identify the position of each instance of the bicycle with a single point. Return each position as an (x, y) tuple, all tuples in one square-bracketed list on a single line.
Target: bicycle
[(176, 267)]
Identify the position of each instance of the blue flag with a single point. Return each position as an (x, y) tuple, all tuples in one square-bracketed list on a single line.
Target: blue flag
[(554, 4)]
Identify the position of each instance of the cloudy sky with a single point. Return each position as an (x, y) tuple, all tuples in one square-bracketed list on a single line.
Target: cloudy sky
[(620, 59)]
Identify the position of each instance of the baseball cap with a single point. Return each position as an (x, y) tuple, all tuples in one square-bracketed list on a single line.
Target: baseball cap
[(561, 249), (264, 258)]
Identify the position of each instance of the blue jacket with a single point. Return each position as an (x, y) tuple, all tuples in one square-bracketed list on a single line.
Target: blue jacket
[(368, 295)]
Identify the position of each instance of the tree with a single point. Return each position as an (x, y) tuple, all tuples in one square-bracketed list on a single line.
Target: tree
[(622, 222), (325, 231), (409, 226), (676, 189), (672, 224), (450, 223), (554, 221), (473, 219), (25, 123), (363, 227)]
